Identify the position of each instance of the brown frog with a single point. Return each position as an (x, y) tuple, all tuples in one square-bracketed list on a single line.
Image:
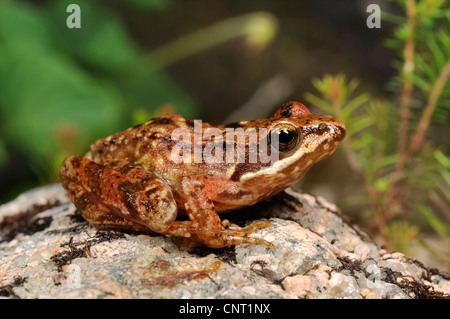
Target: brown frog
[(140, 178)]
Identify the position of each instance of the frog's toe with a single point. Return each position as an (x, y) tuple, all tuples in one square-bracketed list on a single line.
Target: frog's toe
[(256, 226), (227, 238), (219, 238)]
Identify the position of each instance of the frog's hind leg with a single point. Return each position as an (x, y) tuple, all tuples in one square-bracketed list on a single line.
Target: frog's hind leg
[(205, 223), (218, 238), (120, 195)]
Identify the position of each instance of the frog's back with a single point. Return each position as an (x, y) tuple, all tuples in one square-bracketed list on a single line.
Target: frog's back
[(143, 144)]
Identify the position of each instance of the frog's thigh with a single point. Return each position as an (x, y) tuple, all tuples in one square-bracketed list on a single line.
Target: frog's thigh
[(120, 194)]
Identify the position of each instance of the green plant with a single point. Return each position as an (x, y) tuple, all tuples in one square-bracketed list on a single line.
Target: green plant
[(62, 88), (404, 175)]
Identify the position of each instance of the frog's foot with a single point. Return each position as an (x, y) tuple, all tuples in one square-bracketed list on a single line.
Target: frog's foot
[(219, 238)]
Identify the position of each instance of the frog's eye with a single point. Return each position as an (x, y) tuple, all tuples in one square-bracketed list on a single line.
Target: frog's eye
[(287, 137)]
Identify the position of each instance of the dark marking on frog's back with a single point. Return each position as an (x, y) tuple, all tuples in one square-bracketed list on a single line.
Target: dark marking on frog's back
[(167, 139), (234, 125), (161, 120), (75, 162), (189, 122), (107, 142)]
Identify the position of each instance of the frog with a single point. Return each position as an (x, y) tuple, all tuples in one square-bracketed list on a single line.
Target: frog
[(143, 178)]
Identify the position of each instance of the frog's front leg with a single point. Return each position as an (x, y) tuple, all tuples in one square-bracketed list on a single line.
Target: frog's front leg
[(119, 195), (205, 223)]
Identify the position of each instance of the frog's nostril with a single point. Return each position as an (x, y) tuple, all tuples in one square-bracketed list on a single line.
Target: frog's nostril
[(324, 128)]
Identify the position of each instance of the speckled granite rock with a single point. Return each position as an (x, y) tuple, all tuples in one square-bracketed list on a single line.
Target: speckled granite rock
[(47, 250)]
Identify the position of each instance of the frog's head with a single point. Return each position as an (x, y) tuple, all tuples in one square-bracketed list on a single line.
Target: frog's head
[(301, 140)]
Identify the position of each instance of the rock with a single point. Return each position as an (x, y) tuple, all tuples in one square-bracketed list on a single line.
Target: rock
[(47, 250)]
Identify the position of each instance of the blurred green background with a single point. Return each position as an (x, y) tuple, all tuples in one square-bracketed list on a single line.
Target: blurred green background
[(218, 60)]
